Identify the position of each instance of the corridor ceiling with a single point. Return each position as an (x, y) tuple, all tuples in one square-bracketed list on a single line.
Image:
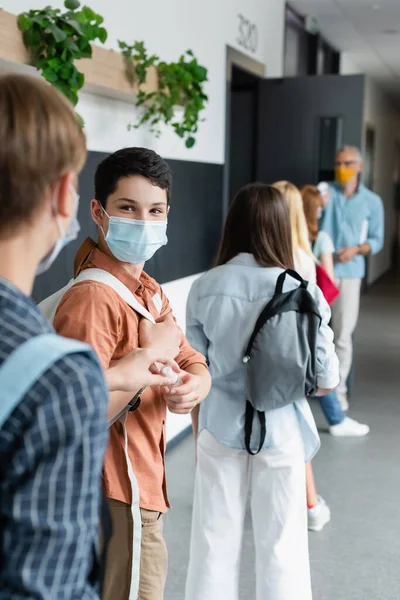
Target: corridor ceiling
[(367, 30)]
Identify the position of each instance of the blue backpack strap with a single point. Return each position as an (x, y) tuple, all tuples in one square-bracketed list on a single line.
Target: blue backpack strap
[(20, 371)]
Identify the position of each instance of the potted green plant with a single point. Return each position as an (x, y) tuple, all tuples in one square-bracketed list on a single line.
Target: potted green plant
[(180, 84), (56, 39)]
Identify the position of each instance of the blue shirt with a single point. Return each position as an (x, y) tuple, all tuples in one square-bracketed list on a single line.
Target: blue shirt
[(52, 448), (222, 310), (354, 221)]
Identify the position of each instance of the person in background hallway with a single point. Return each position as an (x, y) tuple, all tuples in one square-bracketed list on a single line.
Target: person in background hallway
[(223, 307), (354, 219), (53, 442), (319, 513), (322, 245), (132, 193)]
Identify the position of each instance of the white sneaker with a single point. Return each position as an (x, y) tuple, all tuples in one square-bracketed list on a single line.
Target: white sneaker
[(319, 516), (344, 403), (349, 428)]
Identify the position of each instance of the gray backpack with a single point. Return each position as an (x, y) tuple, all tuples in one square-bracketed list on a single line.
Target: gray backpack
[(280, 357)]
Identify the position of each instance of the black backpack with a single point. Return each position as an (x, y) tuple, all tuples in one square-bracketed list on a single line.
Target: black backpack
[(280, 357)]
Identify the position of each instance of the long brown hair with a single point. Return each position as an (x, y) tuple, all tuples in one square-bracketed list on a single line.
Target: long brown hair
[(312, 203), (258, 223)]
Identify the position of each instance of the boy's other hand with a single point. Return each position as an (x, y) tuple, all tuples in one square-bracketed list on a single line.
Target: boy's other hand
[(164, 336), (184, 398)]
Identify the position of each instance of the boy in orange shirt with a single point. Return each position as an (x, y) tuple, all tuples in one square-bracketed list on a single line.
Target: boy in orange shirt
[(132, 188)]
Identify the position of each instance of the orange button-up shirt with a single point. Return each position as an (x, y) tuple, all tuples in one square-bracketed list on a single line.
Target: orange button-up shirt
[(94, 313)]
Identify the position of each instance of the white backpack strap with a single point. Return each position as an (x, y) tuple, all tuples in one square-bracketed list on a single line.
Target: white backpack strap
[(105, 277), (49, 305), (136, 517)]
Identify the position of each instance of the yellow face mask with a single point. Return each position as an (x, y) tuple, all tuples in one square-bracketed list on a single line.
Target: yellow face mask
[(345, 174)]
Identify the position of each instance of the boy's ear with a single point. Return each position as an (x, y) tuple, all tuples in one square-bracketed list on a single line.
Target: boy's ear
[(97, 212)]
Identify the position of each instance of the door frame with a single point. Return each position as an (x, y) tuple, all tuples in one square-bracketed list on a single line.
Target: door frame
[(245, 62)]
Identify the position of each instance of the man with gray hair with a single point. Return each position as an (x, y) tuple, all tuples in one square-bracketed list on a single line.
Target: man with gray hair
[(354, 219)]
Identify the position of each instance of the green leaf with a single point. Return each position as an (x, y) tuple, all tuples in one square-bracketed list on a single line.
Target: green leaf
[(88, 14), (74, 24), (64, 55), (72, 4), (102, 35), (24, 22), (86, 51), (190, 142), (32, 38), (58, 34), (73, 48), (55, 64), (42, 21), (50, 75), (62, 86), (91, 32), (42, 64), (80, 78), (66, 71), (73, 78), (201, 74), (71, 95)]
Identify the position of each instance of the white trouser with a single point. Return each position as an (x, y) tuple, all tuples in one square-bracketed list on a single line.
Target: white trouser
[(345, 313), (275, 480)]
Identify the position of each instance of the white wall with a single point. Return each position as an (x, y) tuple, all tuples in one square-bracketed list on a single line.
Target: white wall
[(379, 112), (348, 66), (168, 29)]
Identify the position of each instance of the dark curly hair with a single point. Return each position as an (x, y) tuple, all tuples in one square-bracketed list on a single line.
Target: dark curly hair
[(129, 162)]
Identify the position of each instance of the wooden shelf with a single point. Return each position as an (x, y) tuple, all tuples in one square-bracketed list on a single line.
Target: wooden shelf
[(104, 72)]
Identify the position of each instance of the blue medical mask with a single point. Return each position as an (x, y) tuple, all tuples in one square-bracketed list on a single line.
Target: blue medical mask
[(132, 241), (65, 236)]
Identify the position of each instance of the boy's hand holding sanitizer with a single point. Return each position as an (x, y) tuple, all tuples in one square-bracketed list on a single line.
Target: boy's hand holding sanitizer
[(172, 375), (184, 394)]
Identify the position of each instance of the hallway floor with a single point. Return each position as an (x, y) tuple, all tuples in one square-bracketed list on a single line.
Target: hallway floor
[(357, 555)]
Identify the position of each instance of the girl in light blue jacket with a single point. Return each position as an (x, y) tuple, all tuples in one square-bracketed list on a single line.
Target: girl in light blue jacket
[(223, 307)]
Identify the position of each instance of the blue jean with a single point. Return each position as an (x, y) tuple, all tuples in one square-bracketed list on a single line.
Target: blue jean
[(331, 408)]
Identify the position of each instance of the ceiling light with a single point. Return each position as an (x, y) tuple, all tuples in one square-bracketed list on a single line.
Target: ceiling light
[(390, 31)]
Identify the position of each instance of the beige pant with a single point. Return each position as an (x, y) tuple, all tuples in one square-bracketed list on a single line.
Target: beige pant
[(153, 561), (345, 313)]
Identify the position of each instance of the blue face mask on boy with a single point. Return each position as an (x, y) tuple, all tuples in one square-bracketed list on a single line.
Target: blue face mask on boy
[(133, 241), (65, 238)]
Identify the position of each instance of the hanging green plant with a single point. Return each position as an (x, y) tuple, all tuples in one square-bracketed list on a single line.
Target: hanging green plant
[(179, 84), (56, 39)]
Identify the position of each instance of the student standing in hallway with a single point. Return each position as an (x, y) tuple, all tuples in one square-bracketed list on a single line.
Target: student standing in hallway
[(319, 513), (132, 189), (339, 424), (354, 219), (223, 307), (53, 428)]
